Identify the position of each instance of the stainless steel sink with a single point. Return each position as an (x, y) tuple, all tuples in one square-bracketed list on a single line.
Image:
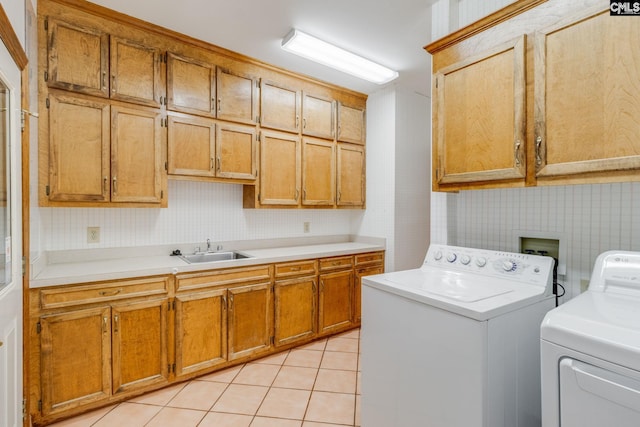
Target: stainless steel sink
[(213, 256)]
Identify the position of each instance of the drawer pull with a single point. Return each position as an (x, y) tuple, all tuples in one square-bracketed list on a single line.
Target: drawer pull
[(296, 268), (104, 324), (336, 263), (110, 293)]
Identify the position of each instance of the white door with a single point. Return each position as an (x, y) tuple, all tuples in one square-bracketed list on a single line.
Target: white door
[(10, 244)]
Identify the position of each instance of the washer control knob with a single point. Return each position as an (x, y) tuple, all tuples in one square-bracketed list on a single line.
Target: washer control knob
[(508, 265), (536, 269), (465, 259), (481, 262), (451, 257), (437, 256)]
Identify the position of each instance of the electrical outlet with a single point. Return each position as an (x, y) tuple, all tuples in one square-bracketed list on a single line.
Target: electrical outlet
[(307, 226), (93, 234)]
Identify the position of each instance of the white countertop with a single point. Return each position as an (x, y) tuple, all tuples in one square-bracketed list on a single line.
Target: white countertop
[(79, 268)]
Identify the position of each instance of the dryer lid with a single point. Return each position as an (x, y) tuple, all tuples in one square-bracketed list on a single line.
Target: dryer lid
[(603, 325)]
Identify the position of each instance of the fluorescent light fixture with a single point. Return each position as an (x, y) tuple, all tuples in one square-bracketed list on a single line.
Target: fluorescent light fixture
[(324, 53)]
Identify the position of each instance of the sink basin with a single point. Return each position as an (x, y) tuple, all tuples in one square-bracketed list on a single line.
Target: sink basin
[(213, 256)]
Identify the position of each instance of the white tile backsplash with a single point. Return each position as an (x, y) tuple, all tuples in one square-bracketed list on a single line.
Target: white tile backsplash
[(591, 218), (197, 211)]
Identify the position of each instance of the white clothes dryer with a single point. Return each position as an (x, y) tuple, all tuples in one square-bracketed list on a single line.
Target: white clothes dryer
[(590, 350), (455, 343)]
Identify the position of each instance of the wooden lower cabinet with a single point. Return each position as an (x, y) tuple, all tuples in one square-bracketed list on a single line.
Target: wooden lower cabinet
[(87, 355), (295, 309), (201, 331), (99, 343), (75, 359), (250, 319), (334, 311), (139, 340)]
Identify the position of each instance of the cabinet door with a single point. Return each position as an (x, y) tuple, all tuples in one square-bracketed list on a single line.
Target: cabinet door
[(351, 175), (357, 290), (78, 149), (191, 145), (190, 86), (279, 169), (236, 96), (351, 124), (586, 101), (318, 172), (295, 310), (479, 122), (318, 116), (135, 73), (77, 58), (279, 107), (250, 319), (75, 359), (139, 344), (201, 331), (336, 292), (236, 151), (136, 155)]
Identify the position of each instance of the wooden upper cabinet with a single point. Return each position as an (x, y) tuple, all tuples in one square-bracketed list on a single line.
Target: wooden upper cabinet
[(351, 175), (191, 145), (236, 151), (236, 96), (587, 109), (136, 155), (78, 58), (279, 168), (79, 149), (136, 73), (318, 172), (351, 124), (318, 116), (479, 117), (279, 106), (75, 359), (190, 86)]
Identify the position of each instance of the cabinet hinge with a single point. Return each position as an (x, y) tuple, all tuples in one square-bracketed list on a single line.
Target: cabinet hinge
[(173, 306), (46, 76), (48, 104), (40, 405), (273, 340), (258, 119), (173, 368), (47, 190), (169, 368), (38, 327), (24, 265), (24, 409), (166, 166), (258, 137), (166, 57), (46, 24), (161, 194)]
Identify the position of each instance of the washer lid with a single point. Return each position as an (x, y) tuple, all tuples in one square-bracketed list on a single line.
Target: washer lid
[(604, 325), (468, 294), (451, 285)]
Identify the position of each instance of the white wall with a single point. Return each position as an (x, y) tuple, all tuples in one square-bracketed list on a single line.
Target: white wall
[(412, 172)]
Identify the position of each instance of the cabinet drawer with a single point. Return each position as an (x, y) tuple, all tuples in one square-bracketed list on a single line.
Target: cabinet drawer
[(260, 273), (370, 258), (328, 264), (296, 268), (93, 293)]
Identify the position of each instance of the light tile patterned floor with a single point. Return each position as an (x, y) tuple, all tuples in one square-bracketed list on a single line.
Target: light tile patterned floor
[(316, 385)]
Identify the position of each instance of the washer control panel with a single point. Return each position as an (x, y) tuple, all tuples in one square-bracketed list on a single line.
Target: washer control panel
[(533, 269)]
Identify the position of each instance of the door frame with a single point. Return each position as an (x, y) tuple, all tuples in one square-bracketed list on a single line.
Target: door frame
[(13, 45)]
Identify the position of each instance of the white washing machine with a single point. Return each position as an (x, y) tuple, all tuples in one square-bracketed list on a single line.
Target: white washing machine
[(455, 343), (590, 349)]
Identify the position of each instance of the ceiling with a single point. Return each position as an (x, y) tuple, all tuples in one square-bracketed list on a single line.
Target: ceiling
[(390, 33)]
